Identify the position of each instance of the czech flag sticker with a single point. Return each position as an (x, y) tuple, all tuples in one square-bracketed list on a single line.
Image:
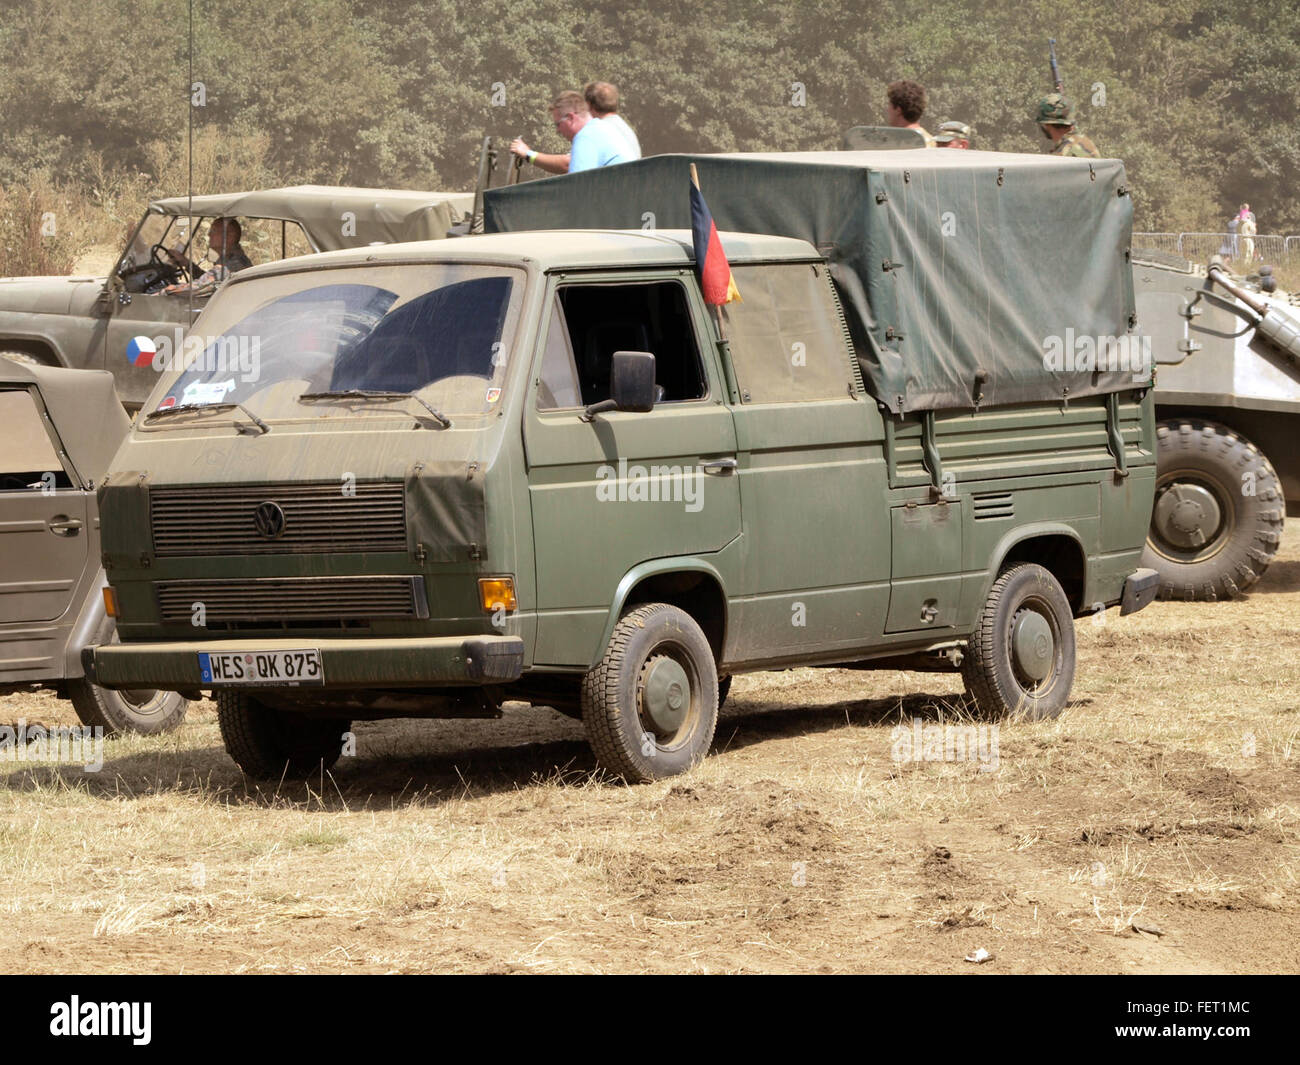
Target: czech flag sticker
[(140, 351)]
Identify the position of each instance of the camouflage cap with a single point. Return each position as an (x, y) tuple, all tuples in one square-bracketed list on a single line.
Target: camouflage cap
[(1054, 110), (952, 131)]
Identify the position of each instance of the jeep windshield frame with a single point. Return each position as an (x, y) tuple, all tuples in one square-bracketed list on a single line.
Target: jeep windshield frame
[(444, 332)]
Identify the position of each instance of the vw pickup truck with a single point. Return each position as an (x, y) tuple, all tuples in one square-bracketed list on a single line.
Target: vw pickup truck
[(534, 465)]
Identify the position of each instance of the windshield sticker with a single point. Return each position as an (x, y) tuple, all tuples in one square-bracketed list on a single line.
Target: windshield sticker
[(201, 392), (493, 394)]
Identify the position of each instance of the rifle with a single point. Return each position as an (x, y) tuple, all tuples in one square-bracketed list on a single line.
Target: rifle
[(1058, 84)]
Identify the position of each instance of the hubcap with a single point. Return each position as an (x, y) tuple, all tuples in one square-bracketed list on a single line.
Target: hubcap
[(665, 694), (1188, 516), (144, 702), (1032, 645)]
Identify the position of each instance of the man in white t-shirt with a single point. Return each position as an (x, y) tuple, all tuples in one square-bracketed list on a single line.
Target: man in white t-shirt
[(602, 99)]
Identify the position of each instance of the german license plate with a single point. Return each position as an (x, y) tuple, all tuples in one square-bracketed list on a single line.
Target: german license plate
[(287, 668)]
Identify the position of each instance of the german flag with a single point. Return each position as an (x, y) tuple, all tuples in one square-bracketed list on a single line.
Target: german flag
[(718, 285)]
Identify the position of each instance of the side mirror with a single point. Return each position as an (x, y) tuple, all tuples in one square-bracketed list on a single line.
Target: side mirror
[(632, 385)]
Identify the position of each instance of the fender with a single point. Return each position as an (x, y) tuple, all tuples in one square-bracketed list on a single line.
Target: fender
[(93, 627), (30, 340), (639, 572), (1019, 535)]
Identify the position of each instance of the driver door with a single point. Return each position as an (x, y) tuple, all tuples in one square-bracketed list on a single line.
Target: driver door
[(154, 315)]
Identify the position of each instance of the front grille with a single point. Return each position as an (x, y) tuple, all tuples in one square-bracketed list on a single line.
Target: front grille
[(291, 600), (220, 519)]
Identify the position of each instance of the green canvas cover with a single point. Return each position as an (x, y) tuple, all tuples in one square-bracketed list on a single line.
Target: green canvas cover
[(966, 276)]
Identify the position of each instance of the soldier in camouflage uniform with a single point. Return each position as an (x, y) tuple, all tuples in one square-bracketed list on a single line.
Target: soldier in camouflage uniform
[(1055, 117)]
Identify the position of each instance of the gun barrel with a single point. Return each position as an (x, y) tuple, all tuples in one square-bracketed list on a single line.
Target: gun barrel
[(1219, 276)]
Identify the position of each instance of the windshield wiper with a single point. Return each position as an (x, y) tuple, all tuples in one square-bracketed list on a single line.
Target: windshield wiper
[(376, 394), (189, 407)]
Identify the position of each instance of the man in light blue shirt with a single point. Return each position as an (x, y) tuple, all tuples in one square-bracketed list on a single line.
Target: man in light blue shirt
[(594, 143)]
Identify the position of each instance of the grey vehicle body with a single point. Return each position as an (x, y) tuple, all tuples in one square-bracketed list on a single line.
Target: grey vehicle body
[(59, 429), (88, 322), (1228, 411)]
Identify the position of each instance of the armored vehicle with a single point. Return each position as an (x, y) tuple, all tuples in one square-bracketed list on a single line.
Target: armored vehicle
[(1227, 350), (534, 465), (58, 430), (91, 322)]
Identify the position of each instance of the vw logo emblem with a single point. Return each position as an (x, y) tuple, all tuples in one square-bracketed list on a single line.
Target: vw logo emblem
[(269, 519)]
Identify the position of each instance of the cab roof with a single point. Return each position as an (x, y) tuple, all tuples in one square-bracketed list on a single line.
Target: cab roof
[(556, 249)]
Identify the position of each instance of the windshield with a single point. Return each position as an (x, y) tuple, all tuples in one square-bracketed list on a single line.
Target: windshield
[(442, 332)]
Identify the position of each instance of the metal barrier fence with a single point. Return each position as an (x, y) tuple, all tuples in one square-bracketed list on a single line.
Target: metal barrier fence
[(1268, 247)]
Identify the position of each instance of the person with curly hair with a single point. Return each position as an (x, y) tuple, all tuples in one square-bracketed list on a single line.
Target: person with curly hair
[(904, 106)]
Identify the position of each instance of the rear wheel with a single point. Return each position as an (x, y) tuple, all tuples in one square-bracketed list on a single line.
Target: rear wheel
[(141, 710), (650, 706), (1021, 656), (1218, 515), (271, 744)]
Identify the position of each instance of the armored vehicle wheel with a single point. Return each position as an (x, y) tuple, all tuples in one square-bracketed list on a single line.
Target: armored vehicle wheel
[(651, 704), (1218, 514), (269, 744), (141, 710), (1021, 656)]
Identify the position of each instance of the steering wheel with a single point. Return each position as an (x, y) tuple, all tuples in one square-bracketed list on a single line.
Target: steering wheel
[(173, 269)]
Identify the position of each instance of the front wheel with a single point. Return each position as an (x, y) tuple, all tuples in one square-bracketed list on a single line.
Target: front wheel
[(270, 744), (1021, 656), (650, 705), (141, 710)]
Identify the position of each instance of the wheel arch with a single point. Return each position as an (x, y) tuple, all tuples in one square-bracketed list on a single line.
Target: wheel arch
[(692, 584), (38, 347), (1054, 546)]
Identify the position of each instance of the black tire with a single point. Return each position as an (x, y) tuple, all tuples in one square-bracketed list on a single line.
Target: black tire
[(1209, 538), (650, 705), (270, 744), (1006, 653), (145, 711)]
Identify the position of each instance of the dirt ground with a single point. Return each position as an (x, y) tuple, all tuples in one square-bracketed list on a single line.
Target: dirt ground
[(1152, 828)]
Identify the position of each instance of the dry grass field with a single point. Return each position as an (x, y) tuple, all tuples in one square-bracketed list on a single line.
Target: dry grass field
[(1152, 828)]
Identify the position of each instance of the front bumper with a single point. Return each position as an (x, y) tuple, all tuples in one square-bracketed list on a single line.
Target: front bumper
[(1140, 588), (450, 661)]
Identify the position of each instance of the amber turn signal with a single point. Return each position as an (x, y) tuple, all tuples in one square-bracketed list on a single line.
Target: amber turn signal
[(110, 602), (496, 593)]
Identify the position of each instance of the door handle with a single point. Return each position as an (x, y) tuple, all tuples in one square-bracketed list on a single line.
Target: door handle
[(720, 465), (64, 525)]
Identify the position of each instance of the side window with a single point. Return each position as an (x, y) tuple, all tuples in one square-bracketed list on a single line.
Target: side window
[(786, 337), (28, 461), (558, 387), (266, 240), (602, 319)]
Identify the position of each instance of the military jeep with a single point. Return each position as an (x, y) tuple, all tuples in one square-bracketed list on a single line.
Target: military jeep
[(58, 431), (90, 322)]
